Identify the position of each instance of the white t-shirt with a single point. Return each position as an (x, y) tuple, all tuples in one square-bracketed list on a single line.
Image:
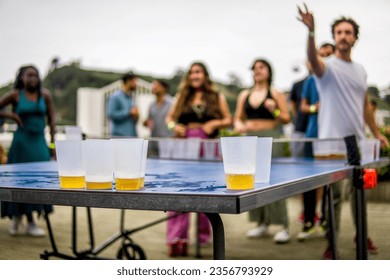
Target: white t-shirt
[(342, 90)]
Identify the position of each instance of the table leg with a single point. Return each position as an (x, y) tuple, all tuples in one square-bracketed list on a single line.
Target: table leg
[(218, 235), (332, 222)]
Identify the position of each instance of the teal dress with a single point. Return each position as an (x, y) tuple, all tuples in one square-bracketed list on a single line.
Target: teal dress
[(28, 145)]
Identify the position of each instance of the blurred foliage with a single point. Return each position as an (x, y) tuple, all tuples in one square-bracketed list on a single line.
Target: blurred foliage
[(384, 172)]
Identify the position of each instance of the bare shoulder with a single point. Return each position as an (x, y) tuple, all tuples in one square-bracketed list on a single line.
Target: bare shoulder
[(276, 93), (243, 94), (46, 93)]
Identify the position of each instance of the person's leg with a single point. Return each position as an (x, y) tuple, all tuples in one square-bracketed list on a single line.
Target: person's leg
[(336, 190), (258, 216), (32, 228), (309, 202), (177, 234), (371, 247), (204, 229), (277, 214)]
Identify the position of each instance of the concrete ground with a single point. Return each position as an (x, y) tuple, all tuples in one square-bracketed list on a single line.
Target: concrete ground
[(152, 240)]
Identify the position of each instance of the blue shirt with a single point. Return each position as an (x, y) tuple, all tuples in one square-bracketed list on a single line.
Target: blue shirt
[(119, 105), (310, 93)]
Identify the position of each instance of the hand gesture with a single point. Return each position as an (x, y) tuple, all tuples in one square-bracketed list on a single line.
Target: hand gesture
[(270, 105), (306, 17)]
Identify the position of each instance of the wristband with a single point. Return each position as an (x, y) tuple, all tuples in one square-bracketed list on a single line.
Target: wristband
[(311, 34), (52, 146), (312, 109), (171, 125), (276, 113)]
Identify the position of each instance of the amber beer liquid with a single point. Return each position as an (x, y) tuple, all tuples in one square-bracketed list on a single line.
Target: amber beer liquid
[(240, 181), (99, 185), (128, 184), (72, 182)]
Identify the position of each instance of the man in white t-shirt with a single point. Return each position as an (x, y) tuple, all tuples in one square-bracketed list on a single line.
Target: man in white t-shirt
[(341, 84)]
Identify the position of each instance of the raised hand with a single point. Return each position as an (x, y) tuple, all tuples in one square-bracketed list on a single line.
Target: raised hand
[(306, 17)]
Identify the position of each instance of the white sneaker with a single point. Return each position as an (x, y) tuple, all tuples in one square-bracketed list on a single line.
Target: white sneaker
[(282, 237), (15, 226), (34, 230), (257, 232)]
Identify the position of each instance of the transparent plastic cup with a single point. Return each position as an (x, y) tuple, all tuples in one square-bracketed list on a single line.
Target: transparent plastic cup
[(70, 162), (143, 162), (165, 148), (192, 148), (377, 149), (179, 149), (73, 132), (263, 159), (98, 164), (209, 148), (367, 150), (127, 155), (239, 161)]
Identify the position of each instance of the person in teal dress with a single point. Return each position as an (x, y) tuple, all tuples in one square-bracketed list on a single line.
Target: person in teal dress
[(32, 108)]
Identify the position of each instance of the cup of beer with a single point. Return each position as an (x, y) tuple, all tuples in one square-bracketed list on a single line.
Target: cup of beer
[(239, 161), (143, 162), (98, 164), (263, 160), (70, 163), (127, 163)]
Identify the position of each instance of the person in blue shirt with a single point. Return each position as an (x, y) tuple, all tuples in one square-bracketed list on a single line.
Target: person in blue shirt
[(122, 110), (310, 104)]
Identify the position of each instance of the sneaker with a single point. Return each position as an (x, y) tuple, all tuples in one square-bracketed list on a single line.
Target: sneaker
[(34, 230), (306, 233), (328, 254), (260, 231), (321, 232), (282, 237), (15, 226), (174, 249), (183, 247), (371, 248)]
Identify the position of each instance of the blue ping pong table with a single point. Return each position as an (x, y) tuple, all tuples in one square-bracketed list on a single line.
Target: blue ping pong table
[(176, 185)]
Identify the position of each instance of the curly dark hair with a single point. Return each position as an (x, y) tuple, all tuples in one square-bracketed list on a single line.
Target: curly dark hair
[(350, 21)]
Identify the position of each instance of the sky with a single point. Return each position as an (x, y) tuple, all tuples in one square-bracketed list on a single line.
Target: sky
[(158, 37)]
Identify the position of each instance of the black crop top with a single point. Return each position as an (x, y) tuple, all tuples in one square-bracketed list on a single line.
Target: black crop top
[(260, 112), (192, 117)]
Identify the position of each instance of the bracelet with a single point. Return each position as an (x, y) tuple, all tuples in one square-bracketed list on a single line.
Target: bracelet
[(52, 146), (312, 109), (276, 113), (311, 34), (171, 125)]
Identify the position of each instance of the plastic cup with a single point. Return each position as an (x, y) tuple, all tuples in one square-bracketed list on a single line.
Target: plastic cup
[(209, 149), (70, 162), (143, 162), (98, 164), (192, 148), (239, 161), (165, 148), (73, 133), (127, 155), (179, 149), (263, 159), (367, 150), (377, 149)]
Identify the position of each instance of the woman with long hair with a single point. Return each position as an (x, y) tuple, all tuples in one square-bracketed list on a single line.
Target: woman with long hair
[(32, 108), (199, 111), (260, 111)]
